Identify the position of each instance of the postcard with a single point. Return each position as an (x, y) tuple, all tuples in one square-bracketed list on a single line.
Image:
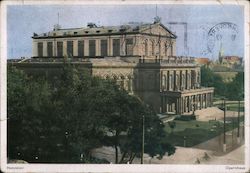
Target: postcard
[(124, 86)]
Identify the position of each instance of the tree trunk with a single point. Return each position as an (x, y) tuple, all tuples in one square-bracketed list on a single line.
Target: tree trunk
[(123, 155), (116, 154), (133, 156), (116, 147)]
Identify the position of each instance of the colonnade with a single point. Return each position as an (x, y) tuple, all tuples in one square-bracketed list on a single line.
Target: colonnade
[(186, 104)]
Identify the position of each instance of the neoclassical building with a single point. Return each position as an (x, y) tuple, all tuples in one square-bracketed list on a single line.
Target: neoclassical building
[(140, 57)]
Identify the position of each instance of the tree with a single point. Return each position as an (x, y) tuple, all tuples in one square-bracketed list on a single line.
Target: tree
[(172, 125), (235, 89), (28, 102), (210, 79), (60, 119)]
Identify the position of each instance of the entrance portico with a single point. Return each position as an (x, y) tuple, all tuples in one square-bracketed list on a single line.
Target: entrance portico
[(180, 102)]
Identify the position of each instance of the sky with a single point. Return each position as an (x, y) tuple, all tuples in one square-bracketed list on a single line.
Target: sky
[(24, 20)]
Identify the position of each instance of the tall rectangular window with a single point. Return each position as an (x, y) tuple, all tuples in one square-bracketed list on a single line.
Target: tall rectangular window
[(70, 48), (40, 49), (80, 48), (116, 47), (92, 48), (104, 48), (60, 49), (129, 46), (50, 49)]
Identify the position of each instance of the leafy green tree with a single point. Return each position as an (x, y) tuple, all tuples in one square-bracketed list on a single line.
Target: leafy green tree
[(235, 89), (210, 79), (61, 119), (172, 125)]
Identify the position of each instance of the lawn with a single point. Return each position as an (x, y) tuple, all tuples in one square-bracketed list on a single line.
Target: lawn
[(234, 107), (196, 132)]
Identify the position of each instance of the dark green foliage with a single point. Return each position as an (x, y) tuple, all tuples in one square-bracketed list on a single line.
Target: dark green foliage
[(235, 89), (186, 118), (232, 91), (58, 120), (210, 79), (172, 125)]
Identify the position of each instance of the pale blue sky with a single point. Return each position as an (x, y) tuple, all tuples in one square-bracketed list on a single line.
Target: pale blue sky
[(23, 20)]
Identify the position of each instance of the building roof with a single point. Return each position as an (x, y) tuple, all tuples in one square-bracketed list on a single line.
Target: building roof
[(92, 29)]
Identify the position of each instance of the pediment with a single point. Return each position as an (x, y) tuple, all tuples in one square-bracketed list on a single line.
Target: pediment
[(158, 29)]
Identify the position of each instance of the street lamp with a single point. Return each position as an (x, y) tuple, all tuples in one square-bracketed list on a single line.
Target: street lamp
[(184, 142), (143, 138), (238, 124), (224, 126)]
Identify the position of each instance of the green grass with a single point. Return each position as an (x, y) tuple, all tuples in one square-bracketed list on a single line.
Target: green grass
[(196, 132), (234, 107)]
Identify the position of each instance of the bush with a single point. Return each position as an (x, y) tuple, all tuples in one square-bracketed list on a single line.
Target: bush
[(186, 118)]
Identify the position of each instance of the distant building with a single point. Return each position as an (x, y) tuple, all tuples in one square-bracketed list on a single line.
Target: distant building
[(231, 60), (140, 57), (202, 61)]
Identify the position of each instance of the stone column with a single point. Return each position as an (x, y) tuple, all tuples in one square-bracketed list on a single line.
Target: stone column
[(177, 102), (54, 48), (205, 99), (202, 101), (190, 103), (86, 47), (161, 107), (199, 102), (45, 51), (98, 47), (75, 48), (184, 104), (166, 104), (110, 46), (65, 48), (123, 45), (34, 48)]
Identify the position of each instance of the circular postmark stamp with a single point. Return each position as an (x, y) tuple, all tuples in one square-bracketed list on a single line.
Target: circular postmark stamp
[(221, 33)]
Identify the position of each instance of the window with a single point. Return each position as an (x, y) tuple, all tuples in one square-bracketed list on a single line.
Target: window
[(40, 49), (116, 47), (70, 48), (104, 48), (50, 49), (129, 46), (91, 47), (81, 48), (60, 49)]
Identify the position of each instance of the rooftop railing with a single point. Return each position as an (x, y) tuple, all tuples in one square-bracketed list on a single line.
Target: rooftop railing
[(167, 59)]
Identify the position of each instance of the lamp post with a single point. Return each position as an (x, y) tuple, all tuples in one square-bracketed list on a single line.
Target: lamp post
[(224, 126), (238, 124), (66, 145), (142, 144), (184, 142)]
